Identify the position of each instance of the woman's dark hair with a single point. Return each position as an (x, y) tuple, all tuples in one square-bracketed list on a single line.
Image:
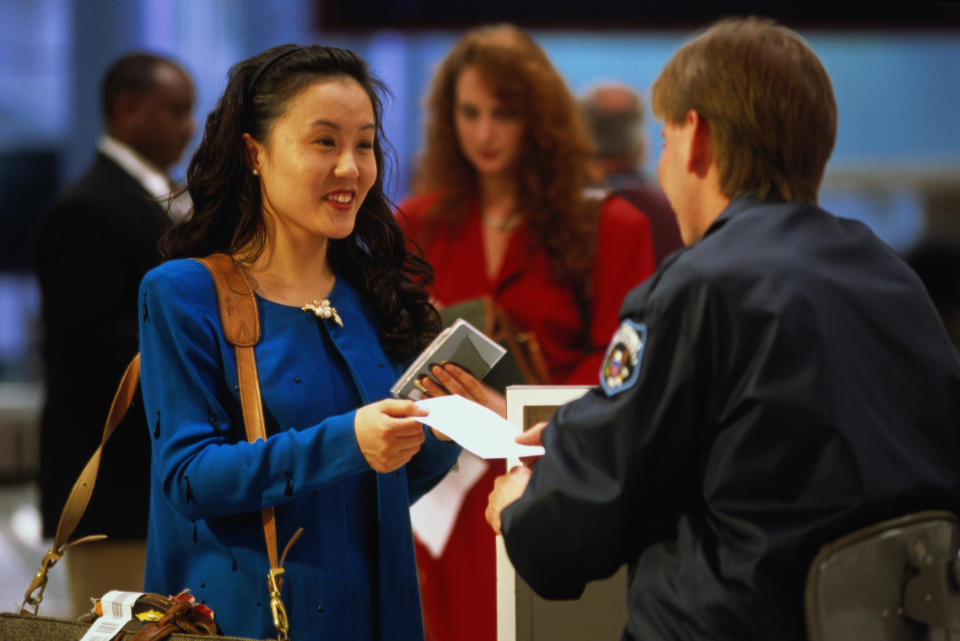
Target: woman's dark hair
[(227, 213)]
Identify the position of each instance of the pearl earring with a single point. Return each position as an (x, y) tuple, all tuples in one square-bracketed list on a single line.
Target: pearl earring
[(255, 172)]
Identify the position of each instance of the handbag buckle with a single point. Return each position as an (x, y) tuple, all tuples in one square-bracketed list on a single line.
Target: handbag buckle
[(275, 580), (39, 583)]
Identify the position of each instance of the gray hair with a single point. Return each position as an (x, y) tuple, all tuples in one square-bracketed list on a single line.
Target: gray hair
[(616, 126)]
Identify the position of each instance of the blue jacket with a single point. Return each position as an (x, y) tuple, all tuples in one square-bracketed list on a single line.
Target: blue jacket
[(352, 575)]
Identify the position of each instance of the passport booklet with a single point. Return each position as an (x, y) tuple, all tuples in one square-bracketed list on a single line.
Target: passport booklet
[(462, 344)]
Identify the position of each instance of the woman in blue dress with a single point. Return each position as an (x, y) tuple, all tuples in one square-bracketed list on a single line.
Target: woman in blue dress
[(288, 181)]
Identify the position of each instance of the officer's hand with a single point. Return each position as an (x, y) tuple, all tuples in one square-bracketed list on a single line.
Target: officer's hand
[(388, 438), (533, 435), (507, 488), (453, 379)]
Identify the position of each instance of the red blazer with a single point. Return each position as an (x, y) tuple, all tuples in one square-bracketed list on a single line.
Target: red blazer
[(526, 289), (458, 590)]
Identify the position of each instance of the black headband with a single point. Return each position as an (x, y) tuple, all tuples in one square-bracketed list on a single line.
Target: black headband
[(248, 92)]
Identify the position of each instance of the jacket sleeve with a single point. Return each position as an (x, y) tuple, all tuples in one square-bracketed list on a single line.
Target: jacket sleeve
[(618, 467), (200, 455), (624, 259)]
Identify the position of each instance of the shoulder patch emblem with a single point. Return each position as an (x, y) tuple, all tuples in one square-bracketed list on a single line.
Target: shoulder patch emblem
[(621, 365)]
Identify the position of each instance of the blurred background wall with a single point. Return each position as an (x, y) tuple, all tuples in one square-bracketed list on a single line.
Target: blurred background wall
[(894, 66)]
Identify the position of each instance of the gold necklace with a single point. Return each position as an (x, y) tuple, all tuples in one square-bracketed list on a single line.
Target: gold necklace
[(509, 223)]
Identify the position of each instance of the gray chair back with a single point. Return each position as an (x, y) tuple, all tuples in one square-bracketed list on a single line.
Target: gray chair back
[(898, 580)]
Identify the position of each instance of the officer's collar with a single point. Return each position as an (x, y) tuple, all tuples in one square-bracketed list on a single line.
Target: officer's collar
[(741, 203)]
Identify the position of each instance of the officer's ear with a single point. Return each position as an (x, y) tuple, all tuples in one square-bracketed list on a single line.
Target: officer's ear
[(700, 154)]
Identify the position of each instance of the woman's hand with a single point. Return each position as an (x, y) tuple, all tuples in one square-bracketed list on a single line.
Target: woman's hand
[(388, 438), (453, 379)]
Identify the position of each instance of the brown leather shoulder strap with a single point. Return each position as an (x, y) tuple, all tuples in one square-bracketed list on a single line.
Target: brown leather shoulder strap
[(238, 305), (82, 490), (241, 328)]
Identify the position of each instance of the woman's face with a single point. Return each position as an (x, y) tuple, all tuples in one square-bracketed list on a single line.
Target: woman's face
[(488, 133), (318, 162)]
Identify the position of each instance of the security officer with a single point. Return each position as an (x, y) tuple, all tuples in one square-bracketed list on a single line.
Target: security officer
[(780, 382)]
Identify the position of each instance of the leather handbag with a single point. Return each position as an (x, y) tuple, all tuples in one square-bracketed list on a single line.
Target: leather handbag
[(29, 627), (523, 364), (180, 621)]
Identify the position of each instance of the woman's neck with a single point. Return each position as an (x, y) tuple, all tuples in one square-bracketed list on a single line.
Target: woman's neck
[(499, 215), (498, 196), (291, 273)]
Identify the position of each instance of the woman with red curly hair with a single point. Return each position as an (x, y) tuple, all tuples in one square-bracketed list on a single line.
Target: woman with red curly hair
[(501, 210)]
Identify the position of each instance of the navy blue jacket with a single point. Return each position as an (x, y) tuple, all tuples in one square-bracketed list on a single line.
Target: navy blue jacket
[(782, 382)]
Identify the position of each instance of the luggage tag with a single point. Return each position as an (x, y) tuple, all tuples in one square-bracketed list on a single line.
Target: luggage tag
[(117, 611)]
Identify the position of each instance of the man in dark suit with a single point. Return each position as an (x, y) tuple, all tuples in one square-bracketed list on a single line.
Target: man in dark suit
[(93, 246)]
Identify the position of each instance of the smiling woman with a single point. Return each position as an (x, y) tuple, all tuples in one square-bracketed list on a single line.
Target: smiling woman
[(315, 169), (287, 183)]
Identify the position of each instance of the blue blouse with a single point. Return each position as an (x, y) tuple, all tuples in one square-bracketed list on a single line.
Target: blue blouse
[(354, 565)]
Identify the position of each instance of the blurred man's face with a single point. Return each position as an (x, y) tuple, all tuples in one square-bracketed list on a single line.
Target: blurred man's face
[(164, 119)]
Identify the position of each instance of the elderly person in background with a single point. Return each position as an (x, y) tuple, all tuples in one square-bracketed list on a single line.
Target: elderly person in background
[(613, 113)]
